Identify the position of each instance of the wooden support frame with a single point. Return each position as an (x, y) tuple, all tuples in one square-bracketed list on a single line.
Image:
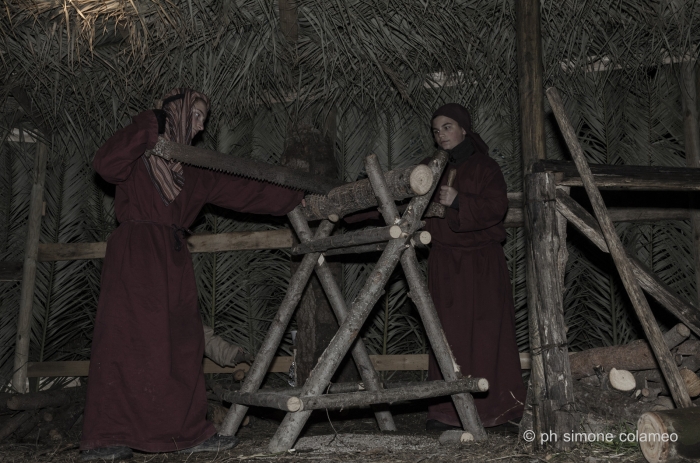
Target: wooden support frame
[(397, 248), (641, 306)]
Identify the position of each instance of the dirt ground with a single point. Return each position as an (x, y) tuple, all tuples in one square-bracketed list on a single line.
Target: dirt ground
[(345, 437)]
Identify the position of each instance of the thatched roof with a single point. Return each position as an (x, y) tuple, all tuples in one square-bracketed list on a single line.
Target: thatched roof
[(384, 66)]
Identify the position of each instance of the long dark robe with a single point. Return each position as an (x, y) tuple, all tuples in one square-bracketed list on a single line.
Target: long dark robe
[(469, 282), (146, 385)]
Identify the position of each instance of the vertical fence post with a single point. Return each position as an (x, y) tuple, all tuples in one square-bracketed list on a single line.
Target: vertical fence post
[(31, 251)]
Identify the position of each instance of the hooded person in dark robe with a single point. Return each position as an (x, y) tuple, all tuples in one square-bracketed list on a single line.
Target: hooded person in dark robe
[(468, 276), (146, 385)]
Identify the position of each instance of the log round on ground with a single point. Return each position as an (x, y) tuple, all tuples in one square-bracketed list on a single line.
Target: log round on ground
[(622, 380), (681, 429), (455, 437), (692, 382)]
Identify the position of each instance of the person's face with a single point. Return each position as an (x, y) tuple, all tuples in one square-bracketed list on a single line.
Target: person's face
[(447, 132), (199, 115)]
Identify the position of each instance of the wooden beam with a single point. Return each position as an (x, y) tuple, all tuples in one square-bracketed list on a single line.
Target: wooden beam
[(641, 306), (625, 177), (235, 241), (416, 362), (557, 411), (31, 251)]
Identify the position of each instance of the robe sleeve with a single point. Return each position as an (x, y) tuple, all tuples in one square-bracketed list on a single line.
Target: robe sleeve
[(115, 159), (244, 195), (483, 209)]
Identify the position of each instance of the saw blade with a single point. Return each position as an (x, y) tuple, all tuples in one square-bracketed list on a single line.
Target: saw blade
[(245, 167)]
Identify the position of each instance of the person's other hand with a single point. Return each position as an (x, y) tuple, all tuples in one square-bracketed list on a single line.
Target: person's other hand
[(447, 195)]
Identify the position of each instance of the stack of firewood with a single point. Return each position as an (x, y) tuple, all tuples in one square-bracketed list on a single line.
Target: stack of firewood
[(47, 416), (625, 381)]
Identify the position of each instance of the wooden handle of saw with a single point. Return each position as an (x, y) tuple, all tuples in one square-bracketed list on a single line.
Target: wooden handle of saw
[(437, 209)]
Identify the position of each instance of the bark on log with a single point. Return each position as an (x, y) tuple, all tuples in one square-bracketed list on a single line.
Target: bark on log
[(558, 414), (692, 382), (419, 391), (609, 404), (683, 423), (360, 237), (352, 197), (633, 356), (689, 347), (619, 255), (37, 400)]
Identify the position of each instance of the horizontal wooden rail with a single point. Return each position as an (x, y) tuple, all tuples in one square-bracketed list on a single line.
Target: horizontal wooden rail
[(236, 241), (280, 364), (617, 177), (282, 239)]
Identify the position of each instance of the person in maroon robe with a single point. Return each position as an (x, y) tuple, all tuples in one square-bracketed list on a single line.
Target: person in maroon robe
[(468, 277), (146, 385)]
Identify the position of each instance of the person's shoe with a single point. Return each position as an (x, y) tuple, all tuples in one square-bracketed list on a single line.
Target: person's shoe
[(215, 443), (107, 454), (439, 426)]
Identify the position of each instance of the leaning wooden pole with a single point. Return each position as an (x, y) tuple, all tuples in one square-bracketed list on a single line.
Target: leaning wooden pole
[(267, 351), (31, 252), (464, 402), (533, 142), (641, 306), (691, 132), (558, 414)]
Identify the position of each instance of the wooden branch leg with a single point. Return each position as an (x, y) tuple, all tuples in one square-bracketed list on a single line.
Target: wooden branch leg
[(335, 297), (322, 373), (438, 342), (641, 306), (267, 351)]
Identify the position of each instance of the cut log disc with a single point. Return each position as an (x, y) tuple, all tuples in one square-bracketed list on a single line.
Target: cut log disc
[(670, 435), (622, 380), (651, 425), (692, 382), (421, 179)]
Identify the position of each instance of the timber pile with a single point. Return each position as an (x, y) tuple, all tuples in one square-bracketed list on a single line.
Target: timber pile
[(625, 381), (47, 416)]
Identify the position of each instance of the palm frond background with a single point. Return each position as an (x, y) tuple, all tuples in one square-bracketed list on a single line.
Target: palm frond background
[(384, 67)]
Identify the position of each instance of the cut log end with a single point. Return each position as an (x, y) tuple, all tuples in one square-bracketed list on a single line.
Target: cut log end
[(483, 384), (455, 437), (294, 404), (333, 217), (622, 380), (654, 450), (421, 179), (395, 231), (692, 382), (424, 237)]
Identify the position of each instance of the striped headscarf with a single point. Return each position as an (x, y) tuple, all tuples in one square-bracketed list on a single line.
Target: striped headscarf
[(168, 176)]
